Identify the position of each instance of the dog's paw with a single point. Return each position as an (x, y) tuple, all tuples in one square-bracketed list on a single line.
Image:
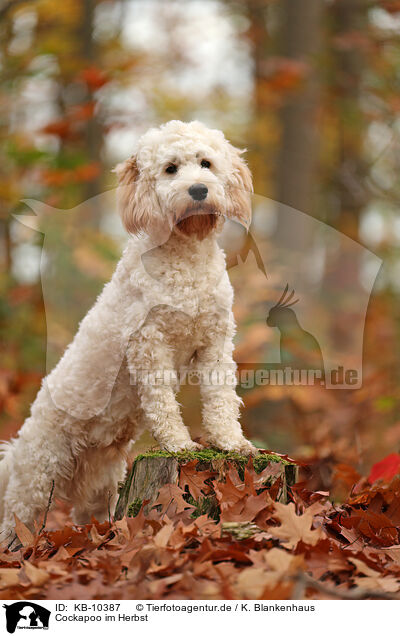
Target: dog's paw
[(242, 446), (191, 446), (246, 448), (180, 448)]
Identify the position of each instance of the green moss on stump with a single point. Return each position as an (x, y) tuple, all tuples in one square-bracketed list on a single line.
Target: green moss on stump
[(134, 508), (204, 506), (208, 455)]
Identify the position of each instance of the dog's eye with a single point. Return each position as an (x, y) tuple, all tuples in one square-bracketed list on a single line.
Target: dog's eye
[(205, 164), (171, 169)]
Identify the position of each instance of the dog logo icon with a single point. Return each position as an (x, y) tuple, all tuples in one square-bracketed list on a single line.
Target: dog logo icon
[(26, 615), (298, 348)]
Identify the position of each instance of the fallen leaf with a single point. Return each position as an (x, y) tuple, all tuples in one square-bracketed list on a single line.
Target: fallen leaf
[(295, 528), (34, 574), (162, 537), (9, 577), (386, 469), (372, 580), (23, 533)]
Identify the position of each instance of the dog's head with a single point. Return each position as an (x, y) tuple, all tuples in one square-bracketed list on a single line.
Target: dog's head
[(184, 177)]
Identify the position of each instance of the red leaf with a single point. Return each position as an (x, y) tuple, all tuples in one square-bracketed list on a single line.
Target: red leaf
[(88, 172), (83, 112), (94, 77), (391, 6), (284, 74), (59, 127), (386, 469)]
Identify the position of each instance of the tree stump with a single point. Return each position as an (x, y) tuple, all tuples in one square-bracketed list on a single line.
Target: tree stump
[(152, 470)]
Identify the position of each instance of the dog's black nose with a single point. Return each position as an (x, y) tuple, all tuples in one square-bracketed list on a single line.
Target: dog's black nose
[(198, 191)]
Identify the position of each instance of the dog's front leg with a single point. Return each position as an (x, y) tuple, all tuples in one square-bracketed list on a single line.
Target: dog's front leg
[(163, 418), (157, 388), (220, 401)]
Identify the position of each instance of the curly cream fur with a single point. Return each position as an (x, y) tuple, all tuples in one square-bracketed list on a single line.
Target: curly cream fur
[(168, 306)]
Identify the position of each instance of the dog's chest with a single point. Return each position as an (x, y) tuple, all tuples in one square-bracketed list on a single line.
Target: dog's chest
[(184, 334), (187, 294), (193, 282), (185, 323)]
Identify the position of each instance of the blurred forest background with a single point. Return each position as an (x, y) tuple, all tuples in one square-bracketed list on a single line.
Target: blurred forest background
[(310, 87)]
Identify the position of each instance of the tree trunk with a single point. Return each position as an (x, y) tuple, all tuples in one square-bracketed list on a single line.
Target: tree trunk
[(146, 477), (93, 132), (350, 17), (151, 471), (300, 41)]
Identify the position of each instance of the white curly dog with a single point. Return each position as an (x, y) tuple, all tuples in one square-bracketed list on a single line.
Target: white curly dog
[(168, 306)]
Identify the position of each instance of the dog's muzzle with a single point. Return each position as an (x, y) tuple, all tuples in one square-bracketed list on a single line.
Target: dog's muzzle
[(198, 191)]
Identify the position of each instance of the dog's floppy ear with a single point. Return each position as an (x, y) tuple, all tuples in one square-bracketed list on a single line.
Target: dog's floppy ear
[(136, 198), (128, 173), (240, 189)]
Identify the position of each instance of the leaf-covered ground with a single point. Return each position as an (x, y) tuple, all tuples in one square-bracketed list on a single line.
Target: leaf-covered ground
[(259, 549)]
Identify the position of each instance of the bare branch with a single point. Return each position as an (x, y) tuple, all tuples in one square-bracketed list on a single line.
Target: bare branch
[(302, 581), (47, 507)]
